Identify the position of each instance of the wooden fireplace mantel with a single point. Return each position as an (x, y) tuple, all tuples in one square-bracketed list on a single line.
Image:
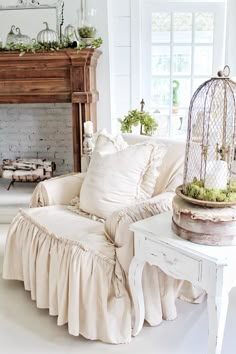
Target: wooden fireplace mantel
[(54, 77)]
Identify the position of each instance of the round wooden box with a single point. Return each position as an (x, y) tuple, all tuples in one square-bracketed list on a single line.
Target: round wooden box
[(207, 226)]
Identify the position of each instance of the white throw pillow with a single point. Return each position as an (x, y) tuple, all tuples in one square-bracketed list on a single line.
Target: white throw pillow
[(107, 143), (116, 179)]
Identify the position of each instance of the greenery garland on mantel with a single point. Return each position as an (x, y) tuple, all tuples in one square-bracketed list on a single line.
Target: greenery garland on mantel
[(34, 47)]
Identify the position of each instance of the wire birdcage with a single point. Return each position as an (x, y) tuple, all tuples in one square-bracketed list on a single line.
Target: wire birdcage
[(209, 173)]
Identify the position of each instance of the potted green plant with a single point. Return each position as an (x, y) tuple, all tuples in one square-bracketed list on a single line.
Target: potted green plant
[(87, 34), (134, 117), (175, 97)]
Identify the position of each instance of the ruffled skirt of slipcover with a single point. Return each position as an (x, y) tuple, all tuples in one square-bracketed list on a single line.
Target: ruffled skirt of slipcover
[(69, 268)]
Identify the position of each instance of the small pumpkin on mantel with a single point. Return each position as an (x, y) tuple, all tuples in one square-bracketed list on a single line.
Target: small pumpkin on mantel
[(11, 35), (21, 38), (47, 35)]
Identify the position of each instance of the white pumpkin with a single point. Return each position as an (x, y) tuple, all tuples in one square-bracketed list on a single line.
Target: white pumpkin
[(11, 35), (47, 35), (21, 38)]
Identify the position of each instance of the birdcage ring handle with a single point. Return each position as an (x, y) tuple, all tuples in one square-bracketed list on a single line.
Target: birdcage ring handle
[(226, 71)]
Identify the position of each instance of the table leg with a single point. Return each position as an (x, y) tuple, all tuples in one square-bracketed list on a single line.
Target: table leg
[(217, 312), (135, 282)]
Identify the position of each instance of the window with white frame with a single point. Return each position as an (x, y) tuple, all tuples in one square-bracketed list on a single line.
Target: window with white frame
[(182, 45)]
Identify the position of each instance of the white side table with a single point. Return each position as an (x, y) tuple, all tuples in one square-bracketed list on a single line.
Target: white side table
[(208, 267)]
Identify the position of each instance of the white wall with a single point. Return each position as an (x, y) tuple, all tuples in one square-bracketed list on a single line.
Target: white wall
[(120, 51), (230, 57), (103, 69)]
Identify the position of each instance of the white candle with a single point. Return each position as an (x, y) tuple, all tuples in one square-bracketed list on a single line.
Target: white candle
[(216, 175), (88, 127)]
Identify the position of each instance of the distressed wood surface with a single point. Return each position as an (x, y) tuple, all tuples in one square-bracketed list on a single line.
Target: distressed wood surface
[(206, 226), (225, 232), (54, 77)]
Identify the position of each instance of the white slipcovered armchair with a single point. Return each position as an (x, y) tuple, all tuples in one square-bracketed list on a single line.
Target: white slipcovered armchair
[(77, 266)]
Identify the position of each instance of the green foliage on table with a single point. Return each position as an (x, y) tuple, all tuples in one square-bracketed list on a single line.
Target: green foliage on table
[(95, 43), (32, 47), (134, 118), (47, 47), (196, 190)]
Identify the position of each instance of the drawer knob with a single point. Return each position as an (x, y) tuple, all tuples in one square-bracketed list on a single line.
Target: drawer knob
[(170, 261)]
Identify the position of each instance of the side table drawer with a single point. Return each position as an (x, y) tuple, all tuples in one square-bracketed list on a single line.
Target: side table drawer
[(174, 263)]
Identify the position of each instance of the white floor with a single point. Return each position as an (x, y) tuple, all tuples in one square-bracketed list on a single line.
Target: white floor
[(26, 329), (17, 197)]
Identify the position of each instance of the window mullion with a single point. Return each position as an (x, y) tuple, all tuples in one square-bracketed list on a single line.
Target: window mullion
[(189, 71), (171, 73), (193, 50)]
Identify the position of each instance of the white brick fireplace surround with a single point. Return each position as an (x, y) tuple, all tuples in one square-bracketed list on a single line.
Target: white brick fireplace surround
[(37, 130)]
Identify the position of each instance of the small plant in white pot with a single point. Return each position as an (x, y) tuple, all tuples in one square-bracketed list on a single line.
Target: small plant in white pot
[(87, 34)]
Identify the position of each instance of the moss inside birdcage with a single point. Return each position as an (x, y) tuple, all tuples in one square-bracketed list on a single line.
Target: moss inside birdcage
[(196, 190)]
